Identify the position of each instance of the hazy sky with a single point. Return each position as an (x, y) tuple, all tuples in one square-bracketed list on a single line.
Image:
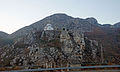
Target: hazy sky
[(15, 14)]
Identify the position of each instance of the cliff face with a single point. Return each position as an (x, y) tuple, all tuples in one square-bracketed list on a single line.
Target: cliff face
[(52, 48), (109, 38)]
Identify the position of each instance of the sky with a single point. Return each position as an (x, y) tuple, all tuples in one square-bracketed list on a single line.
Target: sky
[(15, 14)]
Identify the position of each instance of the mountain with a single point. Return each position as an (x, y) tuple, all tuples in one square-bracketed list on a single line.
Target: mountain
[(117, 25), (92, 20), (108, 35), (3, 34), (4, 40), (58, 21), (62, 21)]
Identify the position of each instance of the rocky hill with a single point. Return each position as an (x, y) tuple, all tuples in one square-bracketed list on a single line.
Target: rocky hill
[(3, 34), (59, 21), (107, 35), (4, 40), (51, 48), (63, 20)]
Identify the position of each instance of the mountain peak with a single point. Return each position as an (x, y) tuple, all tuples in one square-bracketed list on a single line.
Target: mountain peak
[(117, 25), (60, 14), (92, 20)]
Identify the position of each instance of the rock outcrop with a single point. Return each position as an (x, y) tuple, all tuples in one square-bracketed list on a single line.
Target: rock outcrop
[(50, 48)]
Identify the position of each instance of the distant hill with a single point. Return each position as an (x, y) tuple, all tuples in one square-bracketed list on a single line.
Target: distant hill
[(3, 34), (4, 40), (117, 25)]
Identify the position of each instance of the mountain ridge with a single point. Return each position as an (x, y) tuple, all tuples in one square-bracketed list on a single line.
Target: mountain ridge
[(3, 34), (52, 19), (61, 20), (91, 19), (63, 14)]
